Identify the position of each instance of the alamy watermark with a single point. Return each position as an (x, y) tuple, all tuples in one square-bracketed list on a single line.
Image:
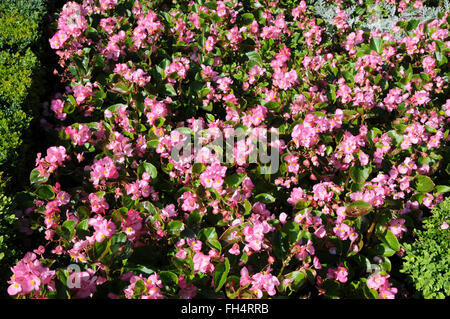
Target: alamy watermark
[(232, 145)]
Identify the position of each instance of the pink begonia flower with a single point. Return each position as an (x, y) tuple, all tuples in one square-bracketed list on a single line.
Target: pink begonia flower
[(103, 228), (421, 97), (132, 225), (213, 176), (444, 225), (189, 202), (376, 281), (103, 168), (30, 275), (397, 227), (187, 290), (202, 263), (181, 254), (317, 263), (339, 274), (297, 195), (62, 198), (234, 250), (56, 155), (428, 200), (98, 204), (282, 218), (57, 106), (263, 282)]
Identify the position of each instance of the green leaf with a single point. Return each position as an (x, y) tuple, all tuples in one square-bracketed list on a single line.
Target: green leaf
[(168, 278), (67, 230), (36, 177), (412, 24), (148, 168), (118, 241), (424, 184), (272, 105), (83, 229), (139, 287), (121, 88), (170, 90), (441, 189), (198, 168), (376, 44), (302, 204), (45, 192), (360, 174), (207, 233), (441, 58), (389, 238), (300, 279), (292, 230), (214, 244), (234, 180), (358, 208), (247, 207), (255, 58), (382, 250), (175, 227), (247, 18), (101, 249), (332, 92), (220, 274), (265, 198)]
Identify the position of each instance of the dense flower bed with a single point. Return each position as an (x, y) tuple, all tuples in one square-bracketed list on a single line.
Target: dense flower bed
[(362, 118)]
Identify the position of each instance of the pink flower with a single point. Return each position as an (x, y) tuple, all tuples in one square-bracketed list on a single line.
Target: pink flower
[(234, 250), (444, 225), (29, 275), (428, 64), (187, 290), (81, 93), (376, 281), (297, 195), (264, 282), (103, 228), (103, 168), (305, 135), (421, 97), (339, 274), (57, 106), (202, 263), (341, 231), (428, 200), (56, 155), (396, 226), (132, 225), (213, 176), (209, 44), (189, 202)]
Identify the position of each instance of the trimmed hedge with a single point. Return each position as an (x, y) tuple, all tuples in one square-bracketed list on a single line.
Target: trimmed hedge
[(22, 88)]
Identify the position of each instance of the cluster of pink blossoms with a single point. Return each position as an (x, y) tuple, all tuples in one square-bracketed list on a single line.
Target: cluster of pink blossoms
[(103, 168), (262, 282), (150, 288), (29, 275), (56, 155), (380, 283)]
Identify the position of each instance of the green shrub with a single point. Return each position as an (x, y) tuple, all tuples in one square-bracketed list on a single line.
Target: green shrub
[(8, 224), (427, 260), (12, 123), (33, 10), (16, 72), (16, 31)]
